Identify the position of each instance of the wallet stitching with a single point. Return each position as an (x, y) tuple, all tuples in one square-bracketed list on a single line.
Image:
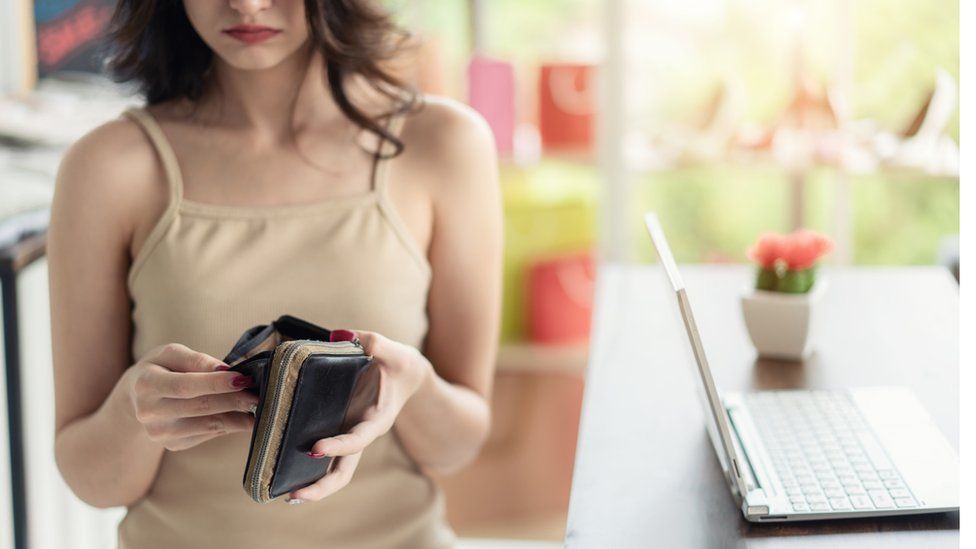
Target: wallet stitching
[(286, 428), (262, 394), (275, 422), (266, 472), (261, 428)]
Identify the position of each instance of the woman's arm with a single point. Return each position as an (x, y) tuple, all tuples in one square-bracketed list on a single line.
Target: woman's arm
[(113, 420), (439, 402), (98, 446), (445, 423)]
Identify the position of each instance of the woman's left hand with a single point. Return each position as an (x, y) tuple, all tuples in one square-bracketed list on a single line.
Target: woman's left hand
[(403, 370)]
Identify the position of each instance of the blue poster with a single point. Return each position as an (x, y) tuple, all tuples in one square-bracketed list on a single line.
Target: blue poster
[(70, 34)]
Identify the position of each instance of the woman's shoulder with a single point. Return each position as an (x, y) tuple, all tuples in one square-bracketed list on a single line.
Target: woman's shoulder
[(447, 139), (112, 168), (447, 122), (112, 156)]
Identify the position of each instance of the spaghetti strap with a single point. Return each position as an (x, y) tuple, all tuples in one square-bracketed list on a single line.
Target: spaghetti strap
[(174, 181), (171, 167), (385, 204), (381, 162)]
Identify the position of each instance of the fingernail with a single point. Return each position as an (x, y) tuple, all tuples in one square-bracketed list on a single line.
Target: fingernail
[(342, 335), (316, 455), (222, 367), (295, 501), (253, 408), (242, 381)]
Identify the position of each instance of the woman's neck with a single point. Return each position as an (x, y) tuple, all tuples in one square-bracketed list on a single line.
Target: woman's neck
[(272, 101)]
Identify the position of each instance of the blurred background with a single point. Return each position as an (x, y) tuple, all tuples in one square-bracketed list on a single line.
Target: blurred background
[(728, 117)]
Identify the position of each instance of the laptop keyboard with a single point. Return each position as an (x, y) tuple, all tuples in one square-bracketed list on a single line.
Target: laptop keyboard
[(826, 456)]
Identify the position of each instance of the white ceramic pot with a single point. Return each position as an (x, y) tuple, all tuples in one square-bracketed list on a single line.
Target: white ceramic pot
[(782, 326)]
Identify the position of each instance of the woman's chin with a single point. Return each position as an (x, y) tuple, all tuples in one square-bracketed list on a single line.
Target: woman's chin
[(253, 60)]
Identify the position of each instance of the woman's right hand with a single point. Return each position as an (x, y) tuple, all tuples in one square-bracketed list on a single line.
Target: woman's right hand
[(182, 397)]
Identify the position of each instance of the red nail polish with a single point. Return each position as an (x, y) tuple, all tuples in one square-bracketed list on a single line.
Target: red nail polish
[(342, 335), (316, 455), (222, 367), (242, 381)]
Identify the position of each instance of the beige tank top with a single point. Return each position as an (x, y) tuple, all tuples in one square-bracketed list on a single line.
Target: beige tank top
[(205, 274)]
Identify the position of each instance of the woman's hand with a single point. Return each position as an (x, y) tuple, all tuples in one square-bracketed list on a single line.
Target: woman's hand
[(403, 370), (182, 397)]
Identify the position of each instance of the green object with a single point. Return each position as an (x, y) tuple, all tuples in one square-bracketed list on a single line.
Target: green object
[(767, 279), (713, 212), (796, 282), (781, 279), (550, 209)]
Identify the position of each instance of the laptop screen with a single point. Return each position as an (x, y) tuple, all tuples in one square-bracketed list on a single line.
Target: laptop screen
[(717, 423)]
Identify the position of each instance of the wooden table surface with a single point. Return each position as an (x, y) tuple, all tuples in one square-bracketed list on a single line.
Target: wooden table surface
[(645, 472)]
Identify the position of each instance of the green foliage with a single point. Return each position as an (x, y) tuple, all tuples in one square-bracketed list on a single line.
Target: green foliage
[(785, 280), (767, 279), (899, 45), (796, 282), (713, 213)]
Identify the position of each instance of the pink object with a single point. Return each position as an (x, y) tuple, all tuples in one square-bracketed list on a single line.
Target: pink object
[(491, 92), (342, 335), (768, 249), (561, 299), (804, 248), (798, 250)]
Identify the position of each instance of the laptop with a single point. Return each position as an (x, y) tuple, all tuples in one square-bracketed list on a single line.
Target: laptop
[(800, 455)]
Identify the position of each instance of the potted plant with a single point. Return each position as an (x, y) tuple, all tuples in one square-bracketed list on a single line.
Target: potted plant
[(780, 309)]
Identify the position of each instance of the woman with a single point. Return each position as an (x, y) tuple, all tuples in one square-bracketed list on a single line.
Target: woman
[(277, 168)]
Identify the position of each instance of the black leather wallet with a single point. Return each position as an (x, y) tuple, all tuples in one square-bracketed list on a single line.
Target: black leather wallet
[(312, 383)]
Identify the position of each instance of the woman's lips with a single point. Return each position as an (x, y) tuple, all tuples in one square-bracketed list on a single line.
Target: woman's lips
[(251, 34)]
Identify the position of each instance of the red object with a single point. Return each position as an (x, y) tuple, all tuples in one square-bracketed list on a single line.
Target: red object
[(242, 381), (768, 249), (342, 335), (251, 34), (799, 250), (805, 247), (561, 299), (567, 101)]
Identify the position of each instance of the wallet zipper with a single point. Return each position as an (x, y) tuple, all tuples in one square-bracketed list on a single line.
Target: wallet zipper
[(341, 348)]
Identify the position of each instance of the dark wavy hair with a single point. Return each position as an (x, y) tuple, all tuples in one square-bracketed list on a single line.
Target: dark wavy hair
[(153, 44)]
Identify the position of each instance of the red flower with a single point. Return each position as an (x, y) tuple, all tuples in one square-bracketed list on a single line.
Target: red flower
[(804, 248), (798, 250), (768, 249)]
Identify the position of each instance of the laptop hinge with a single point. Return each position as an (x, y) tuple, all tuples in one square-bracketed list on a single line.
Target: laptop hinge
[(757, 482)]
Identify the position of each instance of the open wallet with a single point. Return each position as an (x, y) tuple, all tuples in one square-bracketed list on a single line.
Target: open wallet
[(312, 383)]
